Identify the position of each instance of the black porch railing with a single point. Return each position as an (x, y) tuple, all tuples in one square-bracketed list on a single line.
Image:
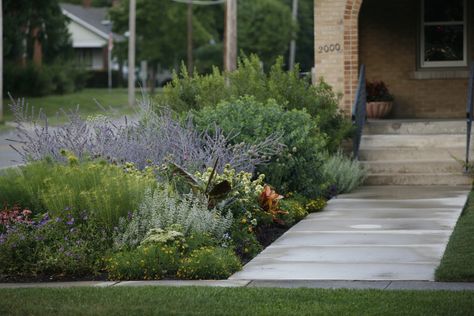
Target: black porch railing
[(469, 114), (359, 112)]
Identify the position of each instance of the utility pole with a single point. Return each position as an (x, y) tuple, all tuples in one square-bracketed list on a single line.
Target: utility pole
[(131, 54), (1, 62), (230, 36), (190, 37), (294, 14)]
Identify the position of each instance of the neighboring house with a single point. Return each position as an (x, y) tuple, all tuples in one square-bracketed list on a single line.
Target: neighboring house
[(420, 48), (90, 29)]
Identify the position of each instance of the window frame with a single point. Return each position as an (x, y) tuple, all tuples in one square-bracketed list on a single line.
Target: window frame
[(443, 64)]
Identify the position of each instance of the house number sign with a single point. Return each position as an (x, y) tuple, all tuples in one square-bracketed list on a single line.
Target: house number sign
[(329, 48)]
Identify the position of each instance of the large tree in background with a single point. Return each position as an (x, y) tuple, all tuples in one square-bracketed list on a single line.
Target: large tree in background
[(265, 27), (161, 31), (25, 21)]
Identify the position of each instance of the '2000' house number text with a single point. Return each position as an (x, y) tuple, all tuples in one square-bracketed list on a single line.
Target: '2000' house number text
[(329, 48)]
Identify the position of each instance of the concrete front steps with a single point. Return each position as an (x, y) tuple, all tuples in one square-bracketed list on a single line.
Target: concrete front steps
[(414, 152)]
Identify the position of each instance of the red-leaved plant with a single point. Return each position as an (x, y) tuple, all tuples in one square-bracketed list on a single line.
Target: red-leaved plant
[(269, 202), (14, 215), (377, 91)]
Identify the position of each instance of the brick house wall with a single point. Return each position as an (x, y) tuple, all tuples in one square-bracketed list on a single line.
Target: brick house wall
[(384, 35), (388, 46)]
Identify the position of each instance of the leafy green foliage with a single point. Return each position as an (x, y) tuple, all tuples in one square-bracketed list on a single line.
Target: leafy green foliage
[(109, 191), (265, 28), (295, 210), (32, 80), (150, 262), (61, 246), (209, 263), (346, 174), (22, 17), (297, 168), (196, 92)]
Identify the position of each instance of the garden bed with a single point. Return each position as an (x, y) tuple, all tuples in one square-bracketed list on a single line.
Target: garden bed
[(190, 195)]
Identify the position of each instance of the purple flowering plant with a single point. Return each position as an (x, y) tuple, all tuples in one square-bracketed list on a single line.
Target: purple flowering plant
[(58, 246)]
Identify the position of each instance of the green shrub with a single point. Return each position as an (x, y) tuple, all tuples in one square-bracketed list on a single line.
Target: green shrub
[(151, 262), (298, 166), (296, 211), (199, 91), (209, 263), (346, 174), (109, 191), (316, 205), (35, 81)]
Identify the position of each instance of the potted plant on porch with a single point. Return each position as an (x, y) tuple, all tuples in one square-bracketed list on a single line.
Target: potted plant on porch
[(379, 100)]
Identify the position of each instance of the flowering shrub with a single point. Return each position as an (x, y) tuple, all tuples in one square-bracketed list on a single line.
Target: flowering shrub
[(295, 211), (156, 138), (209, 263), (57, 246), (9, 217), (151, 262), (316, 205)]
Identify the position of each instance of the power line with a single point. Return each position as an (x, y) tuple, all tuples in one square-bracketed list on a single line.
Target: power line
[(201, 2)]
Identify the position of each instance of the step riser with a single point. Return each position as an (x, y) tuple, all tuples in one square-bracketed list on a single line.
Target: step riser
[(407, 128), (432, 167), (417, 141), (383, 154), (416, 179)]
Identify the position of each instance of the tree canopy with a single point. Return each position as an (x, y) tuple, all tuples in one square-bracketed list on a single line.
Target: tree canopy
[(22, 17)]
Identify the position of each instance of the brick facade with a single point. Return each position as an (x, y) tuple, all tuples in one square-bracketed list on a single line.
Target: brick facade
[(384, 36)]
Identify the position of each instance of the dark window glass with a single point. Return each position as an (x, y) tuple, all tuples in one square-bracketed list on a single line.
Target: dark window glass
[(444, 43), (444, 10)]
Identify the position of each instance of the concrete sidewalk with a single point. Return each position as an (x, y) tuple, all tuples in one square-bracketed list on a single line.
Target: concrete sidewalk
[(376, 233), (355, 285), (8, 156)]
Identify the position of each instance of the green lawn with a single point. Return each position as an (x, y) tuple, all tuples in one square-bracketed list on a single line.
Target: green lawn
[(458, 260), (116, 99), (231, 301)]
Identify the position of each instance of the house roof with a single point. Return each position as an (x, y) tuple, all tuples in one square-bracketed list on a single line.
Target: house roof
[(94, 19)]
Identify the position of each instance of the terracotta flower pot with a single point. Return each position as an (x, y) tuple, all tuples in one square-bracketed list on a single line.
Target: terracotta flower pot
[(379, 109)]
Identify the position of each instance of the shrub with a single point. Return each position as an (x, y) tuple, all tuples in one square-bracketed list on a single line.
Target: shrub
[(59, 246), (346, 174), (155, 139), (32, 80), (297, 167), (295, 211), (199, 91), (162, 209), (150, 262), (109, 191), (316, 205), (209, 263)]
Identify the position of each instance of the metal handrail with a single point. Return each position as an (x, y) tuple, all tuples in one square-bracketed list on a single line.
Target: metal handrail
[(359, 112), (469, 114)]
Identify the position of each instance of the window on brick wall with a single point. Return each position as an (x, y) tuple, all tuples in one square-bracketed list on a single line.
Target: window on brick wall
[(443, 33)]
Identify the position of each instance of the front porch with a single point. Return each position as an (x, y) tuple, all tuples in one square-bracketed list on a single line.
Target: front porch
[(420, 49)]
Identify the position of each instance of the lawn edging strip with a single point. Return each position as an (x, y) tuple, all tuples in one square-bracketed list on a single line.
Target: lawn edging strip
[(313, 284)]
